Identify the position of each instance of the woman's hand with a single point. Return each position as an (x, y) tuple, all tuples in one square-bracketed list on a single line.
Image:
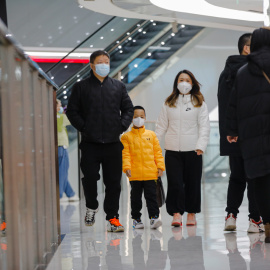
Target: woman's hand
[(128, 173), (199, 152), (160, 172), (232, 139)]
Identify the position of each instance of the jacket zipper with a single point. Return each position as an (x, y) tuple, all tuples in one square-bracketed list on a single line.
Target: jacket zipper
[(102, 106)]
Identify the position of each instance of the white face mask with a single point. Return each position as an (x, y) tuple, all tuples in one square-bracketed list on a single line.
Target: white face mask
[(138, 122), (184, 87)]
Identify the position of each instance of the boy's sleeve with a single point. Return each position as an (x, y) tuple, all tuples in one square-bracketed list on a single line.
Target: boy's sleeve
[(159, 160), (126, 154)]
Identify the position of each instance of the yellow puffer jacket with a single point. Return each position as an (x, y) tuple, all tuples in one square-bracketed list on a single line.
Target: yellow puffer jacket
[(142, 154)]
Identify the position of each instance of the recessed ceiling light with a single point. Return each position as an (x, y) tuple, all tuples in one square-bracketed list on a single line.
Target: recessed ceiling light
[(135, 65), (112, 29), (140, 30), (120, 47), (65, 97), (162, 43), (122, 77), (64, 92), (66, 66), (121, 51), (144, 32), (128, 33), (172, 34), (134, 40), (149, 54), (101, 37), (125, 20), (130, 38)]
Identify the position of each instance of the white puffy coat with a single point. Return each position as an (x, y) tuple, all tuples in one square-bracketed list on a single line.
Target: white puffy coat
[(187, 127)]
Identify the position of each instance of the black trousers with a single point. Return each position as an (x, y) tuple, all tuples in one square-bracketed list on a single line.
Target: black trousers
[(236, 189), (149, 189), (110, 157), (184, 173), (262, 191)]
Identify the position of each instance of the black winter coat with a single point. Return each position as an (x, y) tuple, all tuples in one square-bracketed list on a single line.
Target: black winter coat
[(100, 110), (249, 113), (225, 87)]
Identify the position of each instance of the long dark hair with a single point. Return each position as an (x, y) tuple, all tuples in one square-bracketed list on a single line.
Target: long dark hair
[(196, 95)]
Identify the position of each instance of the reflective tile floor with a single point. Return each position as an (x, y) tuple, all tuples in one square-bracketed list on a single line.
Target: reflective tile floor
[(205, 246)]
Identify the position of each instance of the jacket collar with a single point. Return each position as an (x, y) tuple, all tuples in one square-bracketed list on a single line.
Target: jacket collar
[(184, 99), (138, 130), (93, 77)]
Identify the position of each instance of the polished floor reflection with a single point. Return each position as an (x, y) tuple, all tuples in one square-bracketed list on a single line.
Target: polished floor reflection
[(205, 246)]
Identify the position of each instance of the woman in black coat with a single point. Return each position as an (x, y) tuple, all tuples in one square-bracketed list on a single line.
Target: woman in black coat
[(248, 119)]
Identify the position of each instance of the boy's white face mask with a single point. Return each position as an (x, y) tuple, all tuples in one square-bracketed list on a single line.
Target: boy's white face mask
[(138, 122)]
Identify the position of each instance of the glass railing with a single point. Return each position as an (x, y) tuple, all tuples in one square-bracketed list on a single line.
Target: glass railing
[(103, 38), (216, 167), (29, 195)]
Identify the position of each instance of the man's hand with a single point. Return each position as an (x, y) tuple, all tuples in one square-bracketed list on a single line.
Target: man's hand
[(160, 172), (199, 152), (232, 139), (128, 173)]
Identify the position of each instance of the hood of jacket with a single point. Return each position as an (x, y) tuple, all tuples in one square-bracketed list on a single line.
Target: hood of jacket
[(233, 64), (260, 60)]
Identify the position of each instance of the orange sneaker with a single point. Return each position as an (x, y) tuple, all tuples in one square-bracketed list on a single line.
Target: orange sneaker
[(177, 220), (191, 219), (114, 225)]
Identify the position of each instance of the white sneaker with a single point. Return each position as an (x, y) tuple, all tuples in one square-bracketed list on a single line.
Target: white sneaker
[(230, 223), (137, 224), (64, 200), (90, 217), (74, 198), (155, 223), (255, 227)]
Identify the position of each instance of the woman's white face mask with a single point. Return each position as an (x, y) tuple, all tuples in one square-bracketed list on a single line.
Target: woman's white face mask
[(138, 122), (184, 87)]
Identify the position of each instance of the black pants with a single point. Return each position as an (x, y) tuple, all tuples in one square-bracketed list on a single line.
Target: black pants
[(110, 157), (149, 188), (184, 173), (262, 191), (236, 189)]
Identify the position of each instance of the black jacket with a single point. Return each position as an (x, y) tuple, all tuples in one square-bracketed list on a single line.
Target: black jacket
[(101, 111), (248, 114), (225, 87)]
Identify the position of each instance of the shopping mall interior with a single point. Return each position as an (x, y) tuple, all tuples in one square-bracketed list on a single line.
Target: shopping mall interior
[(44, 50)]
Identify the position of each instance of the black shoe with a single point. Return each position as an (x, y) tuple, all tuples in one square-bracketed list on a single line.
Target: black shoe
[(90, 217)]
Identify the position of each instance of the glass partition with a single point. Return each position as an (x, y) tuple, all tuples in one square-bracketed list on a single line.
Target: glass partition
[(29, 196)]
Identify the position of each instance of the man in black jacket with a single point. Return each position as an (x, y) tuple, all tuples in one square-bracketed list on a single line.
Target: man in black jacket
[(238, 179), (100, 108)]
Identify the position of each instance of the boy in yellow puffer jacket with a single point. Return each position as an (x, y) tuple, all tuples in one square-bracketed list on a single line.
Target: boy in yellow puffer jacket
[(143, 163)]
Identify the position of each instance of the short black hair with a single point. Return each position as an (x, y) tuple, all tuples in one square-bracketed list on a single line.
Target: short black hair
[(139, 108), (243, 40), (95, 54)]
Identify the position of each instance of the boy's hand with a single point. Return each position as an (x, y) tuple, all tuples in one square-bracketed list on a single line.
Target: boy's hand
[(128, 173), (199, 152), (160, 172)]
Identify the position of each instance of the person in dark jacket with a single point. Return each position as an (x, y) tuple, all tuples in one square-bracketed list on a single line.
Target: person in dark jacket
[(248, 120), (100, 108), (238, 179)]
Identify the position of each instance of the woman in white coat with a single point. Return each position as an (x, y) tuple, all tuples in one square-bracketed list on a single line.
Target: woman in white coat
[(184, 120)]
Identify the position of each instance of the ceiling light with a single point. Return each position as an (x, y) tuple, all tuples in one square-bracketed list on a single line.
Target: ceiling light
[(120, 47), (183, 26), (66, 66), (224, 174), (134, 40), (87, 34), (162, 43), (144, 32), (78, 80), (98, 23), (65, 97), (78, 41), (151, 20), (117, 41), (149, 54), (130, 38), (101, 37), (202, 7), (135, 65), (121, 51), (78, 75), (60, 27), (52, 77), (138, 25), (140, 30), (122, 77), (125, 20), (64, 92), (128, 33), (172, 34), (64, 87), (80, 6), (112, 29), (91, 46), (75, 18), (154, 24)]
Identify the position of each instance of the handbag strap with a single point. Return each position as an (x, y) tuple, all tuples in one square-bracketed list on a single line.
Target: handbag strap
[(266, 77)]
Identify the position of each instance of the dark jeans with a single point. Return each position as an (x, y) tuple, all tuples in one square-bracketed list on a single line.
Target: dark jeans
[(110, 157), (262, 190), (149, 189), (184, 173), (236, 189)]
